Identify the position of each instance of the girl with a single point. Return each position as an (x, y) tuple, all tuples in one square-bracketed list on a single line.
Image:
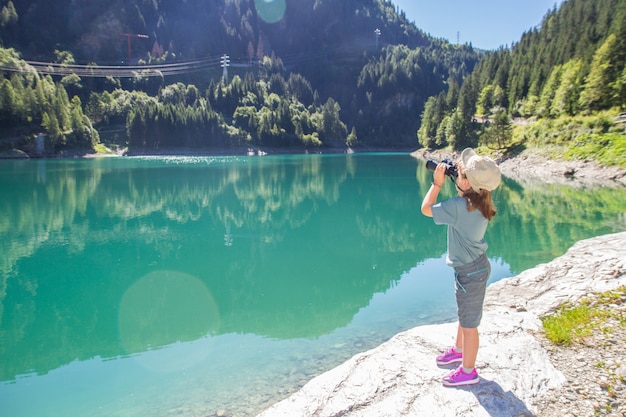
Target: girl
[(467, 217)]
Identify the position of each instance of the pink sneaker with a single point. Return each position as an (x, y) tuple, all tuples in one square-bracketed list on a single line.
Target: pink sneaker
[(458, 378), (449, 356)]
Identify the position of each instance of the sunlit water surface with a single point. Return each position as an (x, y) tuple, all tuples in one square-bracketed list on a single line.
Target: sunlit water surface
[(190, 285)]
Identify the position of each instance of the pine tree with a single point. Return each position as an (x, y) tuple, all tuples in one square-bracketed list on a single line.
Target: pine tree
[(499, 132), (566, 96), (485, 101), (7, 99), (8, 15), (548, 92), (596, 94), (431, 118)]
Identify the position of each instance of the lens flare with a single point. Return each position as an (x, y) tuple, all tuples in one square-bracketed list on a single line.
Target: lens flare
[(163, 308), (271, 11)]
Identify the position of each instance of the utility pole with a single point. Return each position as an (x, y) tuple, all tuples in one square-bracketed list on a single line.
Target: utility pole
[(225, 63), (132, 35), (458, 38)]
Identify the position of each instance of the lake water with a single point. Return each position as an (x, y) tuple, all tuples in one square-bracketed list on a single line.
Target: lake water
[(170, 286)]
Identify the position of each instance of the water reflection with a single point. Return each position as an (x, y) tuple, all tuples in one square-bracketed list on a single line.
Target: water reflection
[(538, 223), (114, 257), (165, 307)]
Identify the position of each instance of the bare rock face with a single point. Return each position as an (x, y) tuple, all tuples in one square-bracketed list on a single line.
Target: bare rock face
[(13, 154), (401, 378), (531, 168)]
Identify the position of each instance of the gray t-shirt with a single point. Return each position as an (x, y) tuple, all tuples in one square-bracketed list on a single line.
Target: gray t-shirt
[(466, 230)]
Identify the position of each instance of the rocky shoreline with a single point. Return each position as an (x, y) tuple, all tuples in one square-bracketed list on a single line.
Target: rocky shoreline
[(527, 167), (595, 369), (530, 167), (521, 373)]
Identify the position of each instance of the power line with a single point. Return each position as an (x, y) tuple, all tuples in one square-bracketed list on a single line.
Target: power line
[(122, 71), (164, 70)]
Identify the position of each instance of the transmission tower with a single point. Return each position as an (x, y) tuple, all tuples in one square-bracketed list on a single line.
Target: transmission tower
[(225, 63)]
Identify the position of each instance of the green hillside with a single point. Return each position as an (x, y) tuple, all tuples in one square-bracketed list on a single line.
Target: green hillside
[(150, 76), (560, 88)]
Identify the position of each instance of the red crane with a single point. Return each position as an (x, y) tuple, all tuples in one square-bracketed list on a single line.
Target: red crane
[(133, 35)]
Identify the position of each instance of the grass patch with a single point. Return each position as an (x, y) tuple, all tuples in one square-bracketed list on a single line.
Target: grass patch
[(594, 137), (607, 149), (572, 323), (569, 324)]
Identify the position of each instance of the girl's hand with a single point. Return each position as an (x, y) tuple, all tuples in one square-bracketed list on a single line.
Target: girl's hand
[(439, 176)]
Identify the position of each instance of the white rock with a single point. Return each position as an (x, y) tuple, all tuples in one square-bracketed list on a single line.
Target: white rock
[(400, 377)]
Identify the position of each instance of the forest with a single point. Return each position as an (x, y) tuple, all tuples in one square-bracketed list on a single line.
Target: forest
[(155, 75), (567, 78)]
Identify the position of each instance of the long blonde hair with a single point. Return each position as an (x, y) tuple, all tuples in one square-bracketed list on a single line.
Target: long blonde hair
[(480, 200)]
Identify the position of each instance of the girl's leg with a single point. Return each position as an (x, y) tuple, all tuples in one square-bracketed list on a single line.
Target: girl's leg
[(466, 374), (459, 338), (469, 342)]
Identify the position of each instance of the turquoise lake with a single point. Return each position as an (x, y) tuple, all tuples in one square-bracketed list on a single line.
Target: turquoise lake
[(180, 286)]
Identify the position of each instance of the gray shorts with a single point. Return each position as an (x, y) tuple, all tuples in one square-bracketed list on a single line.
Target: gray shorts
[(470, 286)]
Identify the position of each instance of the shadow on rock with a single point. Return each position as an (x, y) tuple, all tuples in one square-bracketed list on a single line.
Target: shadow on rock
[(496, 401)]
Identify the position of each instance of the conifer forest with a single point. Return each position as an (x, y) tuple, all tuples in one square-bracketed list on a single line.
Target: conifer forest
[(162, 75)]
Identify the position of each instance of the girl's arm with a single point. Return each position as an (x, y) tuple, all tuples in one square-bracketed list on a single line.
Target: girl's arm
[(439, 178)]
